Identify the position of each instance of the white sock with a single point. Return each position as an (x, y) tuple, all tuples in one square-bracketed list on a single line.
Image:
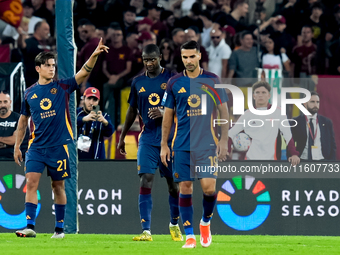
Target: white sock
[(190, 236), (171, 225), (203, 223), (147, 231)]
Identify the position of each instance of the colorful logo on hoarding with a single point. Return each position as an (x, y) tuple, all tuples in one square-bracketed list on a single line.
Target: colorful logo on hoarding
[(13, 221), (243, 204)]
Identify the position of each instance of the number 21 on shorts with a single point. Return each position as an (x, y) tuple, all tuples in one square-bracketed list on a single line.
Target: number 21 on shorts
[(62, 165)]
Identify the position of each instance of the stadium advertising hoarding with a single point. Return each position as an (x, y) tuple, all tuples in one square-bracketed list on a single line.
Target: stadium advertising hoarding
[(247, 203)]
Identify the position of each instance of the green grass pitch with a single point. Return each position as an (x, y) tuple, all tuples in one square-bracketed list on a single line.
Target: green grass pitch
[(123, 244)]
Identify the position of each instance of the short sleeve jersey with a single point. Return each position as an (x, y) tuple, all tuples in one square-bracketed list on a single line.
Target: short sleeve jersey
[(194, 128), (48, 107), (146, 94)]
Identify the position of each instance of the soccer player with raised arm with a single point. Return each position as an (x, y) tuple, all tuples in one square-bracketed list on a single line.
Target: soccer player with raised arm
[(194, 143), (147, 91), (46, 102)]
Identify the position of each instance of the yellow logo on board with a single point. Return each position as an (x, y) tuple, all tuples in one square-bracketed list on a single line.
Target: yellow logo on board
[(154, 99), (194, 101), (45, 104)]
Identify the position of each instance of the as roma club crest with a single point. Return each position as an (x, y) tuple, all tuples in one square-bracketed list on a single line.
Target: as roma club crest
[(53, 91), (163, 85)]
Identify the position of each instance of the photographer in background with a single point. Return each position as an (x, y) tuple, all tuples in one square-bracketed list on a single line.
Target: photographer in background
[(92, 126)]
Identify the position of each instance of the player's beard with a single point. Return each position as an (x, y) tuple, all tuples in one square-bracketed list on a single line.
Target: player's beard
[(191, 68)]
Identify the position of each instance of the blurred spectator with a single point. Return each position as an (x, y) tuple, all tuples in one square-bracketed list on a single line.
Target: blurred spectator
[(290, 11), (145, 25), (319, 25), (184, 5), (303, 59), (50, 5), (178, 38), (154, 14), (129, 23), (8, 126), (101, 32), (314, 134), (229, 33), (116, 66), (92, 126), (276, 26), (234, 19), (243, 61), (96, 77), (221, 5), (272, 58), (205, 16), (334, 24), (219, 53), (136, 54), (131, 40), (10, 31), (31, 47), (191, 34), (139, 5), (41, 11), (192, 19), (145, 38), (167, 49), (80, 36), (93, 11), (168, 19)]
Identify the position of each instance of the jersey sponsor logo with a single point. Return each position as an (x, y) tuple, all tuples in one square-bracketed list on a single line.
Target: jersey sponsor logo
[(121, 56), (45, 104), (34, 96), (142, 90), (182, 90), (154, 99), (194, 101), (163, 85), (54, 91)]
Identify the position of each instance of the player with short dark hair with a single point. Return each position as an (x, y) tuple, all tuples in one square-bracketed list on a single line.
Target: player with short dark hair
[(194, 143), (147, 90), (46, 102)]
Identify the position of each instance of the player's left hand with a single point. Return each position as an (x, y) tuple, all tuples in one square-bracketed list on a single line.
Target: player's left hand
[(294, 160), (100, 48), (165, 155), (101, 118), (222, 150), (155, 113)]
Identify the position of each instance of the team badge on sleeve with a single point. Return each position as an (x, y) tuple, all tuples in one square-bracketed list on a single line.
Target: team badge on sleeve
[(53, 91)]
